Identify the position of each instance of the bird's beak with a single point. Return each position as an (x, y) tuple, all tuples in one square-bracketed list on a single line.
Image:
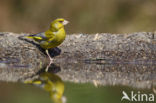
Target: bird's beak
[(65, 22)]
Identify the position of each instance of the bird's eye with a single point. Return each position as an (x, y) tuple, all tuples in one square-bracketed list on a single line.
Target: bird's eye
[(61, 21)]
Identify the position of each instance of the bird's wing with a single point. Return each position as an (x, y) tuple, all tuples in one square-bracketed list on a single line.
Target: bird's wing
[(50, 35), (39, 36)]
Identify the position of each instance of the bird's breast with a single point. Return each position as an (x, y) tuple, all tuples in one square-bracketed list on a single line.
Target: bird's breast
[(60, 35), (58, 39)]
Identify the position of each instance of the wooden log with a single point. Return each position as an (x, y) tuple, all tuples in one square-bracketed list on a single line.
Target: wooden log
[(18, 58), (98, 58)]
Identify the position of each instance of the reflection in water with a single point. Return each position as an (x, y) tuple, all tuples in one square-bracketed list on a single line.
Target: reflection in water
[(52, 84)]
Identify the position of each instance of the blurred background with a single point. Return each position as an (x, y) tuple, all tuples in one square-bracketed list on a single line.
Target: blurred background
[(85, 16)]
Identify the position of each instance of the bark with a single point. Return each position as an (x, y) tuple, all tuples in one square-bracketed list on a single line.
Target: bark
[(99, 58)]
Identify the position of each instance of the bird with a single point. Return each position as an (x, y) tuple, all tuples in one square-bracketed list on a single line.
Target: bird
[(53, 37), (51, 83)]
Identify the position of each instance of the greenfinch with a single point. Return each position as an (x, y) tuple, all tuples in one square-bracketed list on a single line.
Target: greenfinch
[(52, 84), (53, 37)]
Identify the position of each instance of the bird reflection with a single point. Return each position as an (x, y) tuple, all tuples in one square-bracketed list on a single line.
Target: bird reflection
[(52, 84)]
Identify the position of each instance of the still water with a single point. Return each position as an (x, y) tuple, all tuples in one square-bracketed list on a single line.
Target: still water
[(49, 88)]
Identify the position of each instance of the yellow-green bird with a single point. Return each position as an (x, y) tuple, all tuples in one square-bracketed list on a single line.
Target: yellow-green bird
[(53, 37), (52, 84)]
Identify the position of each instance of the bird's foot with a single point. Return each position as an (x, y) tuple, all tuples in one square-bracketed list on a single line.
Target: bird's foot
[(51, 61)]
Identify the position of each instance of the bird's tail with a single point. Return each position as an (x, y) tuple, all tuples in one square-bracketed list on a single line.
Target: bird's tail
[(29, 36), (25, 36)]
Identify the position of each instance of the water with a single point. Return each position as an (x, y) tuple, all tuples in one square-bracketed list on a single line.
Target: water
[(49, 88)]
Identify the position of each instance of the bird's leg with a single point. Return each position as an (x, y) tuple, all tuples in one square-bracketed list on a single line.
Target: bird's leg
[(51, 61), (46, 70)]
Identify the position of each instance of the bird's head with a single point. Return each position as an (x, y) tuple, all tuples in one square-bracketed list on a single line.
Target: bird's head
[(58, 23)]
